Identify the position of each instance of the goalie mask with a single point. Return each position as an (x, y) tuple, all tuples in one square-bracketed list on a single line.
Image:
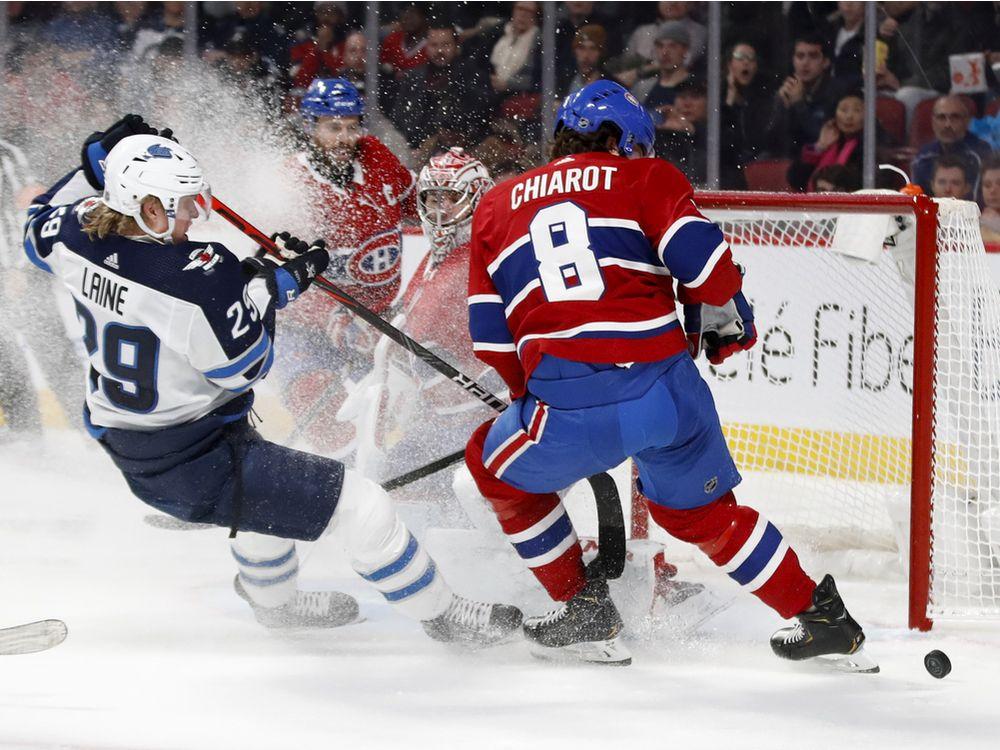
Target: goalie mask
[(448, 190), (144, 165)]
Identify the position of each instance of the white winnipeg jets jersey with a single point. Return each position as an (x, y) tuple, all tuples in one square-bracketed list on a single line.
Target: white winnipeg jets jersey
[(172, 331)]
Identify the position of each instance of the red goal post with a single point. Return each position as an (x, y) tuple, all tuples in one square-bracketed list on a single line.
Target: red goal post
[(873, 342)]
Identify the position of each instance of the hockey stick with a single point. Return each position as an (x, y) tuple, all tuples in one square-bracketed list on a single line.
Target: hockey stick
[(32, 637), (610, 521)]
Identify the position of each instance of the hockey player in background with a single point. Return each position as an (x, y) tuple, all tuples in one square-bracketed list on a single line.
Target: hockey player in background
[(430, 412), (178, 333), (571, 299), (358, 193)]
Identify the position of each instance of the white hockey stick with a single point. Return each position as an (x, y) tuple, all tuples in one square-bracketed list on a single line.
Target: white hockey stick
[(32, 637)]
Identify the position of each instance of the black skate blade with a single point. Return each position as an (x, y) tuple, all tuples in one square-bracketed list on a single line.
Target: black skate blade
[(163, 521), (611, 653), (32, 637), (859, 662)]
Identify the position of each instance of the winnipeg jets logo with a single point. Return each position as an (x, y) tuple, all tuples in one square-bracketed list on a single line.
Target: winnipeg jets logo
[(205, 258), (159, 151)]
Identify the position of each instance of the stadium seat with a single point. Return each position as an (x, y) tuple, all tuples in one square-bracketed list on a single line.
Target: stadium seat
[(891, 115), (768, 175), (921, 130)]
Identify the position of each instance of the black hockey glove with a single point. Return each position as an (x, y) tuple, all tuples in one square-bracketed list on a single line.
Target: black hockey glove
[(303, 263), (98, 145)]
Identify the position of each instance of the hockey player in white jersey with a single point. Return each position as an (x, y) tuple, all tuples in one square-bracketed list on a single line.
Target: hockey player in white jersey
[(178, 333)]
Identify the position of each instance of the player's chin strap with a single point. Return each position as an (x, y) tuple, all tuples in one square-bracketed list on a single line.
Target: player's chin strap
[(610, 521)]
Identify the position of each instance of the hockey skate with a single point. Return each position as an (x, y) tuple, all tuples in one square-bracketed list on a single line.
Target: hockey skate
[(474, 624), (827, 632), (586, 628), (309, 609)]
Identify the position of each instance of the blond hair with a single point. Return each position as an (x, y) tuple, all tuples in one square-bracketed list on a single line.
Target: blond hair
[(103, 220)]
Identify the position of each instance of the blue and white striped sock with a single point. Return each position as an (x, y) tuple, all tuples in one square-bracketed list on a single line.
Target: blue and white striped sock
[(268, 567)]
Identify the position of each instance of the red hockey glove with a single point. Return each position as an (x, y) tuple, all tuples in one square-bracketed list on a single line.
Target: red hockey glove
[(720, 331)]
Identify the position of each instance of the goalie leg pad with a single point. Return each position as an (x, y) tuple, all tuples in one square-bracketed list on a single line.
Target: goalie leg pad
[(747, 547), (536, 524), (384, 552), (268, 566)]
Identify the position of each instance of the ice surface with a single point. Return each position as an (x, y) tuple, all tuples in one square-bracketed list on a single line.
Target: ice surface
[(162, 654)]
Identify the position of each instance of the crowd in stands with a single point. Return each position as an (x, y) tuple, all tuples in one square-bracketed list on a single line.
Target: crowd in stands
[(469, 74)]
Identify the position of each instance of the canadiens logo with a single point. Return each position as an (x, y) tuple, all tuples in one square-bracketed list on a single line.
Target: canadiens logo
[(205, 258), (376, 262)]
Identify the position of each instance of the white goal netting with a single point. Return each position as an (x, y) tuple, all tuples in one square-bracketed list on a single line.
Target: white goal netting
[(819, 415)]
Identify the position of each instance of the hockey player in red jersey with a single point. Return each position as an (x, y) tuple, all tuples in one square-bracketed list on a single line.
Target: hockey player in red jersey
[(423, 413), (571, 299), (359, 194)]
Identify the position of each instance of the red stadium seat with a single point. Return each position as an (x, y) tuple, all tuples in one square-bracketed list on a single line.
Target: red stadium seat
[(891, 115), (768, 174), (921, 130)]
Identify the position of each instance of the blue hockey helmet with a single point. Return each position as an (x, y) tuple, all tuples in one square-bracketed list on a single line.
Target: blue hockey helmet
[(331, 97), (584, 111)]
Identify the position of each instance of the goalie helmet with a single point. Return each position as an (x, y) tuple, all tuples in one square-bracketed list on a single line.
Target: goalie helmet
[(143, 165), (448, 190)]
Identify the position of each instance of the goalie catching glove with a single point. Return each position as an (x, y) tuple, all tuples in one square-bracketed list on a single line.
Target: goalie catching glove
[(720, 331), (303, 262)]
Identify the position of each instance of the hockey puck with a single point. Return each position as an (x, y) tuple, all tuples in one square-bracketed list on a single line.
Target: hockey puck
[(938, 664)]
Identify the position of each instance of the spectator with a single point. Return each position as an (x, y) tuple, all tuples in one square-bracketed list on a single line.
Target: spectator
[(259, 30), (806, 99), (589, 52), (403, 50), (320, 56), (949, 178), (243, 65), (446, 94), (154, 28), (950, 121), (745, 106), (642, 43), (83, 28), (839, 143), (672, 43), (128, 19), (353, 63), (836, 178), (989, 221), (515, 55), (846, 39), (680, 138), (575, 16)]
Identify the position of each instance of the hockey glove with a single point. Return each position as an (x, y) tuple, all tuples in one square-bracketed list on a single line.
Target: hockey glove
[(289, 280), (720, 331), (97, 147)]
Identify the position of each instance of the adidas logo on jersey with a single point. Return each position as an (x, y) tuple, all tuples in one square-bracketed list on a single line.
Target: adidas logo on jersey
[(204, 258), (112, 261)]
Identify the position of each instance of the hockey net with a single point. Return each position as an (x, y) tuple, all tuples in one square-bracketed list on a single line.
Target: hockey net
[(866, 420)]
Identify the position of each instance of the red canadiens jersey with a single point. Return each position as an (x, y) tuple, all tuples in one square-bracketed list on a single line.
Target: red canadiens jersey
[(435, 310), (361, 223), (577, 259)]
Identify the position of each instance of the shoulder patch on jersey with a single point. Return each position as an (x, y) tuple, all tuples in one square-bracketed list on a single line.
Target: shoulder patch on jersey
[(206, 258)]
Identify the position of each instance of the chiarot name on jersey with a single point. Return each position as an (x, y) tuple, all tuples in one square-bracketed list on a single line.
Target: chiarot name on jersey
[(103, 291), (572, 180)]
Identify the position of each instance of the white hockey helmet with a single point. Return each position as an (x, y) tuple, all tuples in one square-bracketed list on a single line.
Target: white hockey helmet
[(142, 165), (460, 177)]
